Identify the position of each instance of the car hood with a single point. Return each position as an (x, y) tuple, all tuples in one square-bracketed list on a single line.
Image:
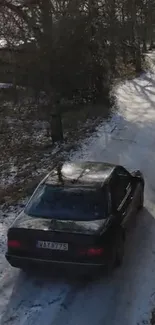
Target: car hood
[(83, 227)]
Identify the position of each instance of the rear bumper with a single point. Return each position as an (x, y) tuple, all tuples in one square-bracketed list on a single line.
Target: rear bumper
[(26, 263)]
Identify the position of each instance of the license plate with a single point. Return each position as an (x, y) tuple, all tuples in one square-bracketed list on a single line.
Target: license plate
[(52, 245)]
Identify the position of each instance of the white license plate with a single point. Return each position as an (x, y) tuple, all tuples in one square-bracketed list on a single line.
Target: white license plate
[(52, 245)]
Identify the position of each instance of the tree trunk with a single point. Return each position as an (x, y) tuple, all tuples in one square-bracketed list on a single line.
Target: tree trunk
[(14, 89), (60, 176), (136, 50), (151, 44), (123, 34), (113, 33), (144, 46), (124, 53), (56, 127), (138, 62)]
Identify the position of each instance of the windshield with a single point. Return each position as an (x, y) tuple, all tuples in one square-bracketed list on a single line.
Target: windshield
[(67, 203)]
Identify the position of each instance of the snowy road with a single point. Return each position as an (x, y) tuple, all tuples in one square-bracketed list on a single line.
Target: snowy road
[(128, 295)]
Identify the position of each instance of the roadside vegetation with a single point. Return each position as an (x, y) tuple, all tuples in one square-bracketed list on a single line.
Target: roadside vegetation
[(74, 49), (65, 56)]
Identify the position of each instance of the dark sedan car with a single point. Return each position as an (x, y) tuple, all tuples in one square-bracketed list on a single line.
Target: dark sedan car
[(77, 216)]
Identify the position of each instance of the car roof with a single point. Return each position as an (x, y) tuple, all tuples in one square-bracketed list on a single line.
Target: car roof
[(85, 173)]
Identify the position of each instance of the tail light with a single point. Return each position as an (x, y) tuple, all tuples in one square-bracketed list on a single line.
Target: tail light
[(14, 244), (92, 251), (95, 251)]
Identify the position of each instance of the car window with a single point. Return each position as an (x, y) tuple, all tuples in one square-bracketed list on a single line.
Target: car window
[(67, 203)]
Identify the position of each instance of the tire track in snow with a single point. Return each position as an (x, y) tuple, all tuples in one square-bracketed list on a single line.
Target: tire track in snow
[(49, 311), (30, 297), (80, 303)]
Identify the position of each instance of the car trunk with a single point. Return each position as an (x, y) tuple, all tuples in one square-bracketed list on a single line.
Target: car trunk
[(55, 239), (29, 239)]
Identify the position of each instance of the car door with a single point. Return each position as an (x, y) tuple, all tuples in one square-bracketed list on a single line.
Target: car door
[(121, 193), (134, 195)]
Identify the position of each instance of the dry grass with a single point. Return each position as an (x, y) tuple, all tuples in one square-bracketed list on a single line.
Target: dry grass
[(28, 153)]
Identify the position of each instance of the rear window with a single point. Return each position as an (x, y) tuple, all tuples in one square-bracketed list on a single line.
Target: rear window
[(67, 203)]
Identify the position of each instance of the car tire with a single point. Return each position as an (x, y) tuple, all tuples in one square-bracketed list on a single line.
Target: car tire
[(120, 239), (141, 200), (25, 270)]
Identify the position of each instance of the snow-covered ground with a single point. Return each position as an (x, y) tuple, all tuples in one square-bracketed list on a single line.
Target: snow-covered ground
[(128, 295)]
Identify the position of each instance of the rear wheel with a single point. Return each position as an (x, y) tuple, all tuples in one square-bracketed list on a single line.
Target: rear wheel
[(119, 248), (25, 270), (141, 200)]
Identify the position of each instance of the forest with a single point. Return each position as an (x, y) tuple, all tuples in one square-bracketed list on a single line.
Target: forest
[(76, 48)]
